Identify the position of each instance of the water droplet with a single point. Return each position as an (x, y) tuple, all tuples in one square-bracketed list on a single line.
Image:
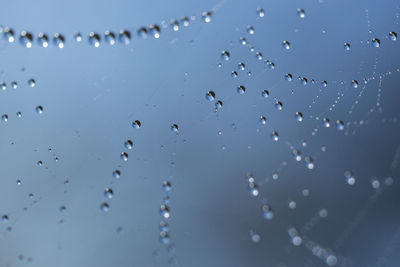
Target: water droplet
[(124, 156), (250, 29), (9, 35), (124, 37), (260, 12), (350, 179), (241, 66), (241, 89), (116, 174), (4, 218), (393, 36), (155, 31), (164, 226), (26, 39), (164, 211), (94, 39), (142, 32), (234, 74), (243, 41), (43, 40), (274, 136), (331, 260), (376, 42), (354, 83), (326, 122), (288, 77), (4, 117), (296, 154), (298, 116), (174, 25), (109, 37), (185, 21), (346, 46), (253, 188), (3, 86), (267, 212), (303, 81), (164, 237), (218, 104), (259, 56), (166, 186), (301, 13), (206, 16), (309, 162), (210, 96), (375, 183), (58, 40), (128, 144), (225, 55), (278, 105), (324, 83), (136, 124), (108, 193), (254, 236), (31, 82), (263, 120), (286, 45), (339, 125), (78, 37), (63, 209), (104, 207), (39, 109), (292, 204), (174, 128), (323, 213), (265, 93)]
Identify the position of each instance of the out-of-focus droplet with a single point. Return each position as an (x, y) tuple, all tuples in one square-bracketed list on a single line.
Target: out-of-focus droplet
[(346, 46)]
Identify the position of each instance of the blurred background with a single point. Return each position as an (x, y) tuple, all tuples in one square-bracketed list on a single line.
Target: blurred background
[(205, 133)]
